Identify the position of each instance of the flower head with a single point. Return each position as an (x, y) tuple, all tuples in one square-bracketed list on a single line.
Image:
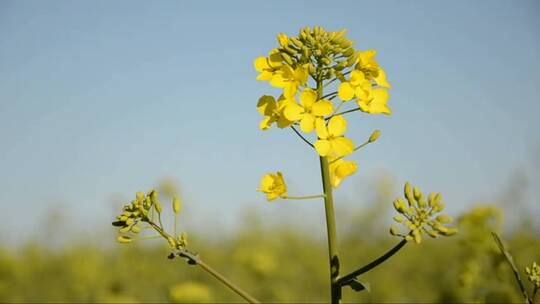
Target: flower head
[(418, 216), (272, 111), (273, 185), (331, 141), (308, 110), (370, 100)]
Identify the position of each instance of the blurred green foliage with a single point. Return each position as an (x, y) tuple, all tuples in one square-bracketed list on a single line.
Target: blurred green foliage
[(278, 264)]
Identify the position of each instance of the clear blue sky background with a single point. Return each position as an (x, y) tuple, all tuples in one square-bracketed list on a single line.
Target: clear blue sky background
[(99, 99)]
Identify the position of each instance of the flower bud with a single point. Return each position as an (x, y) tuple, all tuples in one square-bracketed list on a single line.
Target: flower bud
[(176, 205), (123, 239), (374, 136)]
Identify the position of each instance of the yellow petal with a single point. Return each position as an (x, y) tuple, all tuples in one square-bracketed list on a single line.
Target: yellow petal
[(322, 108), (308, 123), (345, 91), (261, 64), (378, 104), (293, 111), (357, 77), (381, 79), (323, 146), (308, 98), (278, 81), (265, 76), (363, 92), (342, 146), (266, 123), (337, 126), (340, 170), (266, 105), (301, 75), (275, 60), (321, 129), (290, 89), (266, 183)]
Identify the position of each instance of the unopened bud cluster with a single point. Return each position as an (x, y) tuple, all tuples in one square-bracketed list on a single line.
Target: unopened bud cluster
[(315, 47), (533, 274), (420, 216), (146, 209)]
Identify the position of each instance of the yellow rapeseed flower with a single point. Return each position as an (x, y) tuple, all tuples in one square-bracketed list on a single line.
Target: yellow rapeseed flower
[(373, 101), (273, 111), (309, 110), (331, 141), (341, 169), (273, 185), (290, 79), (268, 66), (370, 67)]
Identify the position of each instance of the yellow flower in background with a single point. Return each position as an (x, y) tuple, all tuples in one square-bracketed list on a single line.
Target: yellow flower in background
[(308, 110), (290, 79), (268, 66), (341, 169), (272, 111), (190, 292), (273, 185), (331, 141)]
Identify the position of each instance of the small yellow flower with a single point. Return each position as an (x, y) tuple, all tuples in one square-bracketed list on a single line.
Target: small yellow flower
[(341, 169), (268, 66), (373, 101), (309, 110), (331, 141), (273, 111), (370, 67), (273, 185), (290, 79)]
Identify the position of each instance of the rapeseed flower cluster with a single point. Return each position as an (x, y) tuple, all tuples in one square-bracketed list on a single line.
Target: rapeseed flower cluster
[(301, 66), (419, 216), (533, 274), (146, 209)]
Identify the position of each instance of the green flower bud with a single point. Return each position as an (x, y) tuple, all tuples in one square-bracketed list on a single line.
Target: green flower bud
[(123, 239), (409, 194), (157, 205), (136, 229), (444, 219), (374, 136), (393, 231), (176, 205)]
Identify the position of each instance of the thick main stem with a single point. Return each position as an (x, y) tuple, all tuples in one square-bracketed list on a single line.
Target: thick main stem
[(335, 287)]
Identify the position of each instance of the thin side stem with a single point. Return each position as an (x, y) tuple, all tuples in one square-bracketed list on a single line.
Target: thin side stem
[(355, 149), (226, 282), (328, 95), (302, 137), (345, 112), (351, 276), (510, 261)]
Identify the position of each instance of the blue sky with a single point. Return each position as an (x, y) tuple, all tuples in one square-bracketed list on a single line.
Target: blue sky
[(100, 99)]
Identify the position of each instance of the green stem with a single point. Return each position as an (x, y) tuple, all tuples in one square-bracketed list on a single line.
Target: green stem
[(302, 137), (351, 276), (515, 270), (335, 288), (345, 112), (228, 283), (355, 149), (304, 197)]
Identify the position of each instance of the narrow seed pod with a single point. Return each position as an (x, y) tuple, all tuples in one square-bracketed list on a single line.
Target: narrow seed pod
[(176, 205), (123, 239)]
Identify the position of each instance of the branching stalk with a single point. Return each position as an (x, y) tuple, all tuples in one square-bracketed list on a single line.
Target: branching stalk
[(353, 275)]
